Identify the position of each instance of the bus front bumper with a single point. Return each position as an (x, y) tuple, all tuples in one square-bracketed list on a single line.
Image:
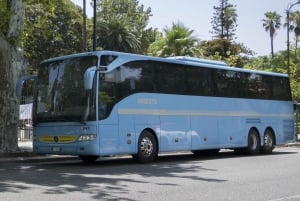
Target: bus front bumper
[(75, 148)]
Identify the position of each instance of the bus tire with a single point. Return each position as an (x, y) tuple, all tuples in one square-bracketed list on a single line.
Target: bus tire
[(253, 142), (269, 142), (88, 158), (147, 148)]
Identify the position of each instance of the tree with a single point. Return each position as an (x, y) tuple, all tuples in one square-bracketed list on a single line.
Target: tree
[(12, 65), (225, 50), (117, 35), (52, 28), (155, 48), (224, 21), (271, 23), (124, 23), (179, 40), (175, 41), (295, 25)]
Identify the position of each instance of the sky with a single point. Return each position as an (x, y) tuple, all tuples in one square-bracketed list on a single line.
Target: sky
[(196, 15)]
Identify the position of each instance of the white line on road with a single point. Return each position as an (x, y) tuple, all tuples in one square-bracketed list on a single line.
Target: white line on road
[(290, 198)]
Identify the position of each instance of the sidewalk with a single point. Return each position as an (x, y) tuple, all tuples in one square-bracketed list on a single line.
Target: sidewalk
[(26, 154), (25, 146)]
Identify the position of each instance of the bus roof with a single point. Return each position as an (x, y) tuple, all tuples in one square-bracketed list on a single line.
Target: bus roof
[(196, 62)]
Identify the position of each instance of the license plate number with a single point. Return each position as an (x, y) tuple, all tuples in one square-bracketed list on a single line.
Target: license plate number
[(56, 149)]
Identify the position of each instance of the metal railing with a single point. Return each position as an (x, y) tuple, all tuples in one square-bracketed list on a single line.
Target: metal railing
[(25, 119)]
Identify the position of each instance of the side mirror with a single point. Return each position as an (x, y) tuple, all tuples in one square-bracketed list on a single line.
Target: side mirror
[(21, 82), (89, 77)]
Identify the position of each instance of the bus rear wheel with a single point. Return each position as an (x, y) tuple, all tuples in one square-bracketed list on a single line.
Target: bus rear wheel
[(269, 142), (253, 142), (147, 148)]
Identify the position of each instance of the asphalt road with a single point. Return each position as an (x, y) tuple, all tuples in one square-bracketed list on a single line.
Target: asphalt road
[(224, 177)]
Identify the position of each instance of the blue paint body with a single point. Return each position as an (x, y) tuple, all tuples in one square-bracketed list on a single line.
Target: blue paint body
[(179, 122)]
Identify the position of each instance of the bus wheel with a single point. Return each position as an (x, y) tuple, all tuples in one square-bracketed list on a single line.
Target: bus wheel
[(269, 142), (88, 158), (253, 142), (147, 148)]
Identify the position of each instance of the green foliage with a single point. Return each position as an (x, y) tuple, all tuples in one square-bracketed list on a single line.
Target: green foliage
[(223, 47), (295, 80), (278, 64), (117, 34), (148, 37), (52, 28), (155, 48), (129, 9), (233, 60), (295, 25), (5, 14), (225, 50), (177, 41), (124, 23), (271, 22), (224, 24), (295, 74)]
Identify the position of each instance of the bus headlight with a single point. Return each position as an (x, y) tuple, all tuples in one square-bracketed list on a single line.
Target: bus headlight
[(87, 137)]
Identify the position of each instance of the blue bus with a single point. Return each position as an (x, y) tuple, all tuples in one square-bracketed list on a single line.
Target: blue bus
[(111, 103)]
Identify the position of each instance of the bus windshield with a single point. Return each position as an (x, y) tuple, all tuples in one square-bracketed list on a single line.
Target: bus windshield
[(60, 90)]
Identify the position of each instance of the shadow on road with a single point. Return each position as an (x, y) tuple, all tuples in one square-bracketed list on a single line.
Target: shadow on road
[(109, 178)]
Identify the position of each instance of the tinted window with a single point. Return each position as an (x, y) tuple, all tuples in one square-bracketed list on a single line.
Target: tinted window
[(170, 78), (61, 95), (281, 88)]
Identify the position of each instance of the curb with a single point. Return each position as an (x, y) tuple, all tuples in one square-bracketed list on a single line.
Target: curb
[(294, 144), (27, 156), (32, 157)]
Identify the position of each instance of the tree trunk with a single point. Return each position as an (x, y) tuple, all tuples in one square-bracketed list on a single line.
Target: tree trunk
[(12, 64), (272, 48)]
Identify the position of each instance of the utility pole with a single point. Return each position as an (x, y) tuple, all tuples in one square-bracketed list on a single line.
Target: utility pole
[(84, 27), (94, 34)]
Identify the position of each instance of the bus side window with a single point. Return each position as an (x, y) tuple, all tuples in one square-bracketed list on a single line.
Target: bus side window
[(107, 98), (281, 87)]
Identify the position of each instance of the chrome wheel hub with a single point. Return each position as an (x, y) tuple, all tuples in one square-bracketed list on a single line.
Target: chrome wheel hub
[(146, 146), (268, 141)]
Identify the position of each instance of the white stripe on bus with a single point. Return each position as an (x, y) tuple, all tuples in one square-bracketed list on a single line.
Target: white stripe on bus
[(197, 113)]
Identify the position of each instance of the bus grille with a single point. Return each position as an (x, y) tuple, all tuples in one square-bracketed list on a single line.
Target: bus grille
[(57, 139)]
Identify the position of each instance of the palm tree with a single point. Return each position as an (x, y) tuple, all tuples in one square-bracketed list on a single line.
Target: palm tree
[(271, 23), (117, 34), (178, 41), (295, 25)]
